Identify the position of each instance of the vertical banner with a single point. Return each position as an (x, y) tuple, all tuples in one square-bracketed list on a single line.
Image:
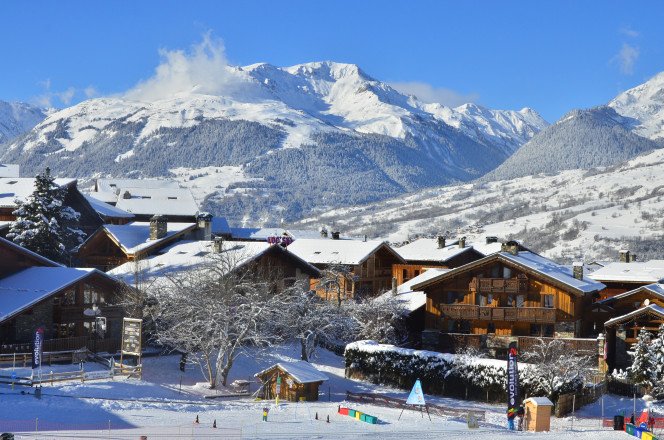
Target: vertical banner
[(416, 396), (38, 348), (512, 380)]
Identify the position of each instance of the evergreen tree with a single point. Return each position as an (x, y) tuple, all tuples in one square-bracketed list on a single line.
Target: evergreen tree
[(657, 349), (43, 224), (642, 369)]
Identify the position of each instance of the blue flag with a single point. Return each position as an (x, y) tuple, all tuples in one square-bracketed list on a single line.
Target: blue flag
[(37, 348), (416, 396)]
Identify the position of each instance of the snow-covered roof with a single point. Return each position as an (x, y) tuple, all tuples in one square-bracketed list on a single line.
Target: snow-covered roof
[(13, 188), (655, 289), (164, 201), (487, 248), (186, 255), (258, 234), (635, 272), (114, 185), (300, 371), (26, 288), (220, 226), (533, 262), (539, 401), (135, 237), (106, 210), (9, 170), (426, 249), (651, 308), (414, 299), (325, 251)]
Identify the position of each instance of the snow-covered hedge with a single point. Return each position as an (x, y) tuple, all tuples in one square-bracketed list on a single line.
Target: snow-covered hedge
[(441, 373)]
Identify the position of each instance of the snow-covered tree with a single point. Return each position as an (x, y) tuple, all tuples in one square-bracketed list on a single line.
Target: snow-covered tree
[(642, 369), (657, 350), (380, 319), (43, 223), (556, 366), (333, 279)]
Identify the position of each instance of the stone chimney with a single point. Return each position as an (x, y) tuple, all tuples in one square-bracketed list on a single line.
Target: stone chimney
[(217, 245), (490, 240), (394, 286), (632, 257), (624, 256), (126, 195), (441, 242), (157, 227), (323, 232), (204, 223), (577, 269), (511, 246), (335, 235), (462, 242), (365, 237)]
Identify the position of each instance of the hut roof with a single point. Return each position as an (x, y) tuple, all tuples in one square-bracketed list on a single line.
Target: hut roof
[(300, 371)]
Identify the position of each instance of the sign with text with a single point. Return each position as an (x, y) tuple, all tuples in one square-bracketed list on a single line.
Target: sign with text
[(131, 336), (38, 348)]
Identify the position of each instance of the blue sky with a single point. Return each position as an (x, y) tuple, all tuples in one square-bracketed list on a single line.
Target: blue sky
[(551, 56)]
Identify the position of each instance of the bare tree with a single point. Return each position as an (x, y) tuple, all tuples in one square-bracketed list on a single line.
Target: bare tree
[(334, 278), (380, 319), (557, 364), (215, 311)]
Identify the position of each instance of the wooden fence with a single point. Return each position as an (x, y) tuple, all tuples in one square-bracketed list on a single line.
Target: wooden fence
[(393, 402), (48, 358), (110, 345)]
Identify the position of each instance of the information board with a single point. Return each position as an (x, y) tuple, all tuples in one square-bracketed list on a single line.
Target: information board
[(131, 336)]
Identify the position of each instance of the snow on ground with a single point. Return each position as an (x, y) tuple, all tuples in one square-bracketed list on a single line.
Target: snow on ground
[(155, 406)]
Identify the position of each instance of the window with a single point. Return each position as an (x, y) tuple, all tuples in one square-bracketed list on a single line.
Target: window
[(404, 274), (417, 272), (535, 330), (489, 299), (481, 300), (491, 328), (507, 272), (547, 300), (510, 301), (520, 300), (495, 271), (548, 330)]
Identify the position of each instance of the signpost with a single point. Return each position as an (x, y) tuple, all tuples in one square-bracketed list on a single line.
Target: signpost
[(512, 385), (131, 341), (416, 398)]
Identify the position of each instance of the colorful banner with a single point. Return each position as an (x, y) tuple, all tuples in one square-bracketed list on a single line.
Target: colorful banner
[(416, 396), (512, 381), (38, 348)]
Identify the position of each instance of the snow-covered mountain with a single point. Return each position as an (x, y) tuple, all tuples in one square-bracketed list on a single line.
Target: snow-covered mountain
[(16, 118), (574, 214), (291, 139), (631, 124)]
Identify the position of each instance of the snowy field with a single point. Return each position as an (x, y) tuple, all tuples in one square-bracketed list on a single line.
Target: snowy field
[(158, 407)]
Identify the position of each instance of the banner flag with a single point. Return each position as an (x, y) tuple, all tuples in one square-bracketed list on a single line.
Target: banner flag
[(416, 396), (512, 380), (38, 348)]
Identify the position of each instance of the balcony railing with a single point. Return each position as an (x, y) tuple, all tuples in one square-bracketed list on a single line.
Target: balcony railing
[(518, 285), (522, 314)]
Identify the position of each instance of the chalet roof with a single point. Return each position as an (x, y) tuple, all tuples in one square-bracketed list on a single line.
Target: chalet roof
[(28, 287), (539, 401), (414, 299), (652, 309), (654, 289), (107, 190), (426, 249), (325, 251), (164, 201), (264, 233), (13, 188), (635, 272), (106, 210), (300, 371), (220, 226), (530, 262), (45, 261), (135, 237), (186, 255)]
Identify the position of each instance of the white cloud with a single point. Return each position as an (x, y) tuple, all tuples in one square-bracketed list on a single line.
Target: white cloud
[(203, 69), (626, 58), (66, 96), (90, 92), (427, 93), (47, 98), (629, 32)]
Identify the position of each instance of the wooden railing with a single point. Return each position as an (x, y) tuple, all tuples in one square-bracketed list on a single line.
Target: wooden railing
[(66, 344), (516, 285), (524, 314)]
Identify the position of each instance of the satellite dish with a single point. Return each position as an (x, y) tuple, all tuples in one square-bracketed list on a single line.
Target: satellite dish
[(646, 302)]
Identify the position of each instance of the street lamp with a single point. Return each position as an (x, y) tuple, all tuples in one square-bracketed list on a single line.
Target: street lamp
[(100, 323)]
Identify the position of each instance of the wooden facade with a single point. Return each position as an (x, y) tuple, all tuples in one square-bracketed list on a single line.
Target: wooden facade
[(370, 278), (500, 297)]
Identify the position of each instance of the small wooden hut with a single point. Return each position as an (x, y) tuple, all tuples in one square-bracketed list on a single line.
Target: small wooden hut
[(292, 381), (538, 414)]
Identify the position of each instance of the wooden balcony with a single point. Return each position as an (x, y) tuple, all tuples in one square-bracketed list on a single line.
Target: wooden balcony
[(521, 314), (518, 285)]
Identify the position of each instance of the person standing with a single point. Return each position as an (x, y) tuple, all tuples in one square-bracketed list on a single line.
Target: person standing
[(519, 414)]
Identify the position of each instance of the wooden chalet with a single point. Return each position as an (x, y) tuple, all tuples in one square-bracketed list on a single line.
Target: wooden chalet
[(113, 245), (628, 274), (292, 381), (366, 265), (510, 293), (37, 292), (262, 259), (20, 188), (623, 316)]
